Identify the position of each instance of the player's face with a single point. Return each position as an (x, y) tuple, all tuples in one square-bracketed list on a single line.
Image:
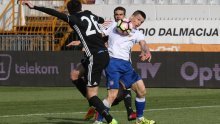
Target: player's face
[(119, 14), (136, 20)]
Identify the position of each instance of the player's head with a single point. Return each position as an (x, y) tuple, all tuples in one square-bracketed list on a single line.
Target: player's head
[(119, 13), (137, 18), (74, 6)]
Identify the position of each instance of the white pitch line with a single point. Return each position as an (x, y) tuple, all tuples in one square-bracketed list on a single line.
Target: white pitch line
[(161, 109)]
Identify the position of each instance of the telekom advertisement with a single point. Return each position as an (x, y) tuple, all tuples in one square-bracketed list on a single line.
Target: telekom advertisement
[(167, 69)]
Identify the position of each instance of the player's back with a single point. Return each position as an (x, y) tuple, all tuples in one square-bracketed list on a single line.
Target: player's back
[(88, 31)]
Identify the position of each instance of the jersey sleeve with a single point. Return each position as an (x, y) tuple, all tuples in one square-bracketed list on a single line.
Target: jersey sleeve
[(140, 36), (108, 30), (100, 20), (53, 12)]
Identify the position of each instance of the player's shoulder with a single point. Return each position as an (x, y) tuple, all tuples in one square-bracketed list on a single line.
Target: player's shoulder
[(87, 11), (113, 24), (137, 32), (109, 24)]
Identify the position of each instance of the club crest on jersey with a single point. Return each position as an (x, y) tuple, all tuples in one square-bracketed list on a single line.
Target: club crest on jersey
[(111, 83)]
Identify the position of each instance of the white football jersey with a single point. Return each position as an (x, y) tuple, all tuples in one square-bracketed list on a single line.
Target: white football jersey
[(119, 46)]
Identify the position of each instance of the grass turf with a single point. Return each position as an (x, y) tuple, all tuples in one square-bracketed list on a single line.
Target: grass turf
[(65, 105)]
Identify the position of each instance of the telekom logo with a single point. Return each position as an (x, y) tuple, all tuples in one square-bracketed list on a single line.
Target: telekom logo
[(5, 66)]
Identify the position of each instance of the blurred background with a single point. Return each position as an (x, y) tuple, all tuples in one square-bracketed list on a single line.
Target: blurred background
[(183, 36)]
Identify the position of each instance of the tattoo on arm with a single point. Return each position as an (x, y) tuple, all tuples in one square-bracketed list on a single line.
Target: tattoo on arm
[(144, 48)]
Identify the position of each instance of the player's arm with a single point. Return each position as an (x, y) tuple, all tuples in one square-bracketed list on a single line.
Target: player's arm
[(74, 43), (145, 51), (100, 20), (107, 31), (49, 11)]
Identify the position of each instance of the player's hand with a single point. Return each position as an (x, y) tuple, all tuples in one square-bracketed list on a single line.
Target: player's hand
[(26, 2), (145, 56), (107, 23), (73, 43)]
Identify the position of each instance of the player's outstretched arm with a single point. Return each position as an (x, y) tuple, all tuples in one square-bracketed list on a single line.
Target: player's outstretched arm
[(73, 43), (145, 51), (27, 3), (49, 11)]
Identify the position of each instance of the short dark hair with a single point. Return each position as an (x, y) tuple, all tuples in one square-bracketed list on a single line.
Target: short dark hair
[(74, 6), (120, 8), (140, 12)]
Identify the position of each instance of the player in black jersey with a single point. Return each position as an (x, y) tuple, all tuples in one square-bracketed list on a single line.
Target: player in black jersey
[(85, 23)]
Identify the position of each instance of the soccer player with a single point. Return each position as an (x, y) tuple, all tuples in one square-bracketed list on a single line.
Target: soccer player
[(120, 67), (124, 94), (85, 23)]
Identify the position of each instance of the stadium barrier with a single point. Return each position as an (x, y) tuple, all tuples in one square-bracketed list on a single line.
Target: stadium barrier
[(166, 24), (167, 69), (26, 43)]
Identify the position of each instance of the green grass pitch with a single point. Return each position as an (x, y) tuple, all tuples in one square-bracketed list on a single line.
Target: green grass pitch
[(65, 105)]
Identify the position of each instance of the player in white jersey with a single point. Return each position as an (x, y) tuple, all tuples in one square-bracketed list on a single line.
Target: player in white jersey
[(120, 68), (123, 94)]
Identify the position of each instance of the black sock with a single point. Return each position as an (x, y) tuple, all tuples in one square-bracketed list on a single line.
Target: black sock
[(81, 86), (100, 107), (127, 101), (119, 97)]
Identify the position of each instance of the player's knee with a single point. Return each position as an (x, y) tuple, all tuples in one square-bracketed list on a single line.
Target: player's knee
[(142, 93), (140, 89), (112, 97), (91, 94), (74, 75)]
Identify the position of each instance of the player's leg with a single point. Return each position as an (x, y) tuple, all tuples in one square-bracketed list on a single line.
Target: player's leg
[(119, 97), (140, 102), (133, 80), (112, 94), (125, 94), (76, 77), (80, 83), (128, 105), (113, 73), (139, 88), (95, 66), (108, 101)]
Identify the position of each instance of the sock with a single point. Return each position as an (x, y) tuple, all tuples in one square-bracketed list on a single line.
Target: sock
[(140, 106), (108, 106), (127, 101), (106, 103), (100, 108), (81, 86), (119, 97)]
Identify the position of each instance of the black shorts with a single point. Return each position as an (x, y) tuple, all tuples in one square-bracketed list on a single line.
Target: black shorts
[(94, 65)]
